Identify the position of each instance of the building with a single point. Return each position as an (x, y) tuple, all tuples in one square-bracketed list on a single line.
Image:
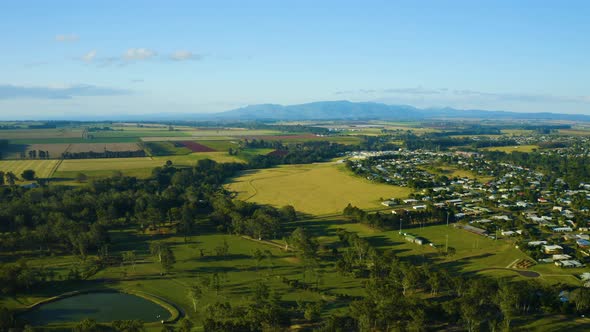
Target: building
[(552, 249)]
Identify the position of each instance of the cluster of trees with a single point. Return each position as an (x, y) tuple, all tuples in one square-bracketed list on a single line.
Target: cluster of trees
[(572, 168), (303, 153), (38, 154), (8, 178), (406, 219), (260, 222), (105, 154)]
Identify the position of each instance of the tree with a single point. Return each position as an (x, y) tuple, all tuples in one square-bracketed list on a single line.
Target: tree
[(129, 258), (259, 256), (10, 178), (194, 295), (81, 177), (581, 298), (167, 259), (185, 325), (28, 175), (87, 325)]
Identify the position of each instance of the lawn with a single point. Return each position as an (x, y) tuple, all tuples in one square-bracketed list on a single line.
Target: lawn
[(42, 168), (317, 189)]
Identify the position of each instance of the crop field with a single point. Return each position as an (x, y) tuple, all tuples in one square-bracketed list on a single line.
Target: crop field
[(315, 189), (166, 148), (574, 132), (510, 149), (140, 167), (196, 147), (42, 168), (229, 132), (16, 134), (138, 133), (100, 147), (14, 151)]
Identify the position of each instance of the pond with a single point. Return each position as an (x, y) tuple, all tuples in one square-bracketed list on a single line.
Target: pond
[(102, 307)]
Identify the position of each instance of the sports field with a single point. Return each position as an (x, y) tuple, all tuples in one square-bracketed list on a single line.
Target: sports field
[(316, 189)]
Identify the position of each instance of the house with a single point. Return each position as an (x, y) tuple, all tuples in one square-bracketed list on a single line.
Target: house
[(536, 243), (569, 264), (583, 243), (552, 249), (419, 207), (410, 201), (560, 257), (562, 229), (508, 233), (387, 203)]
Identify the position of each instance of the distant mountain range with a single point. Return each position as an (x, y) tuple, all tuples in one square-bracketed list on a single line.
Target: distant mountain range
[(332, 110), (346, 110)]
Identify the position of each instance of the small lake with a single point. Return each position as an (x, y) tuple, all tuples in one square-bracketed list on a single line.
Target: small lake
[(103, 307)]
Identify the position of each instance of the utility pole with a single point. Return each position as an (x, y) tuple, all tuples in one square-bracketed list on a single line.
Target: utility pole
[(447, 218), (447, 244)]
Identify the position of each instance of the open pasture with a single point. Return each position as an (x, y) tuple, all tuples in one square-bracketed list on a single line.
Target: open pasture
[(321, 188)]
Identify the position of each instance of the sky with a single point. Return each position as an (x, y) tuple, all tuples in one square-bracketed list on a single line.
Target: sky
[(76, 58)]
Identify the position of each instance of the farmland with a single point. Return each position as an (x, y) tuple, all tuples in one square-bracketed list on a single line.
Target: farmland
[(150, 212), (42, 168), (139, 167), (316, 189)]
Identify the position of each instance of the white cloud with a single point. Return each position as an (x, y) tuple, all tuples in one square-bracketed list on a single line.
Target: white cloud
[(67, 38), (185, 55), (139, 54), (89, 57)]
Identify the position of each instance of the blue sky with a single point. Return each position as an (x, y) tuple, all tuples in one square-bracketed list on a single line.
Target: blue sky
[(64, 58)]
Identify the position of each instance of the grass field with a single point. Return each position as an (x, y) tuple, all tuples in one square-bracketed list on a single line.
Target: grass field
[(42, 168), (510, 149), (316, 189)]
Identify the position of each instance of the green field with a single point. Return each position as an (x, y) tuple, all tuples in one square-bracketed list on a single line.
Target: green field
[(42, 168), (316, 189)]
